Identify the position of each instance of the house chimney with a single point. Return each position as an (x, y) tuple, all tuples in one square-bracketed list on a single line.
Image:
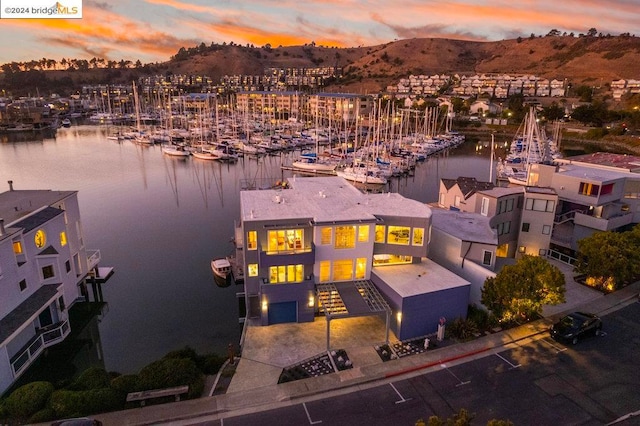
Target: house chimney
[(2, 231), (10, 185)]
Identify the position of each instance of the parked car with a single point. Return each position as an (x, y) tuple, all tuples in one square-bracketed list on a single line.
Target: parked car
[(79, 421), (575, 326)]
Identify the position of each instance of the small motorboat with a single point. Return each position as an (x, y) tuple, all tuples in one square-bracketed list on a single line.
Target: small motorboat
[(221, 271)]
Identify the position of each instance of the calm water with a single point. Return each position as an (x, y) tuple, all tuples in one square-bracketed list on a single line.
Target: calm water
[(159, 221)]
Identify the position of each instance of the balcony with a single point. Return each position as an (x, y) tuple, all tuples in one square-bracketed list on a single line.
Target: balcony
[(93, 258), (302, 256), (46, 337), (603, 224)]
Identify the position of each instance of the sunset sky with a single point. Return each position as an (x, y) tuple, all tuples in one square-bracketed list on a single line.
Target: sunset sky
[(153, 30)]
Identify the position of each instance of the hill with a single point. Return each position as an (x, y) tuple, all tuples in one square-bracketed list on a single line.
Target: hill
[(581, 60)]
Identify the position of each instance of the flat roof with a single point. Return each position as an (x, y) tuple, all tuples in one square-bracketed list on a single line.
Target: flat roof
[(501, 191), (629, 163), (418, 278), (465, 226), (593, 173), (325, 200)]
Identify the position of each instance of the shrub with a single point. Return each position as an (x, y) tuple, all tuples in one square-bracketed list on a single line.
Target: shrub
[(462, 329), (211, 363), (28, 399), (67, 403), (45, 415), (126, 383), (170, 372), (101, 400), (92, 378), (479, 317)]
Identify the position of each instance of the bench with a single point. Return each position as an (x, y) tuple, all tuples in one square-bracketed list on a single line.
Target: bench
[(157, 393)]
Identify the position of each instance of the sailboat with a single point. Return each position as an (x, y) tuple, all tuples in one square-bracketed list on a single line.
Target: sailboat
[(313, 161)]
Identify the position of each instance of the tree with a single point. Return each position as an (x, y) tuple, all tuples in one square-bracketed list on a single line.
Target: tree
[(592, 32), (609, 259), (553, 111), (518, 292)]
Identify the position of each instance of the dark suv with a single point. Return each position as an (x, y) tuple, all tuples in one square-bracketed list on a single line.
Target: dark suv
[(575, 326)]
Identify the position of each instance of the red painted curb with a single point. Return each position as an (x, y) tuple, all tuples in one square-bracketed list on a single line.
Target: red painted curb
[(432, 364)]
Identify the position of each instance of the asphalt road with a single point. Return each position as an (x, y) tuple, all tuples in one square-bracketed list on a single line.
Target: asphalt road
[(542, 382)]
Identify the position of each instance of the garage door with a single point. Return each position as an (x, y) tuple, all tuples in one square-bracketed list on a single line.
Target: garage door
[(283, 312)]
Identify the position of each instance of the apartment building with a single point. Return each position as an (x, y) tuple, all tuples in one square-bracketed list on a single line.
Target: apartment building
[(44, 269)]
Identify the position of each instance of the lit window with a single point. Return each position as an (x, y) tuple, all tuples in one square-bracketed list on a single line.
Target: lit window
[(589, 189), (63, 238), (361, 268), (285, 240), (502, 250), (345, 237), (252, 240), (363, 233), (286, 274), (398, 235), (380, 231), (325, 271), (17, 247), (252, 269), (522, 249), (325, 235), (418, 236), (343, 270)]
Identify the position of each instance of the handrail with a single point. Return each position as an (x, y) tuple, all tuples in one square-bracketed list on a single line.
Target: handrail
[(45, 338)]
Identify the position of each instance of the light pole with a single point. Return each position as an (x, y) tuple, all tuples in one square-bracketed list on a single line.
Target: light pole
[(491, 159)]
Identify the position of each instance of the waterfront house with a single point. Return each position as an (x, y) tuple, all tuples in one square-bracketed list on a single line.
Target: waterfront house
[(44, 270), (321, 247)]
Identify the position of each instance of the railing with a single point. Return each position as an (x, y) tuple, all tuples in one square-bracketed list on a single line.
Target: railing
[(565, 217), (46, 337), (93, 259), (603, 224), (561, 257)]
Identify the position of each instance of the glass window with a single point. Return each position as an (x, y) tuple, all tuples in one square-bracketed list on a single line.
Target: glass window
[(363, 233), (589, 189), (390, 259), (61, 303), (380, 231), (361, 268), (23, 285), (17, 247), (345, 237), (418, 236), (510, 204), (67, 266), (325, 235), (252, 240), (456, 201), (502, 250), (398, 235), (442, 198), (47, 272), (485, 206), (325, 271), (546, 229), (551, 206), (63, 238), (343, 270), (525, 227), (284, 240), (487, 257), (252, 269)]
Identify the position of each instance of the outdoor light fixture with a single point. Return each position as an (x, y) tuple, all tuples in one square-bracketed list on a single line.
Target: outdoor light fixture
[(399, 317), (312, 301), (521, 249), (264, 305)]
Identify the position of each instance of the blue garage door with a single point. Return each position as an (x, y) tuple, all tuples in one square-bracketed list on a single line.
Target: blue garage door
[(283, 312)]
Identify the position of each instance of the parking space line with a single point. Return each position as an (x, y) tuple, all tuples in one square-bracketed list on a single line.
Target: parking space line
[(556, 347), (309, 415), (402, 398), (512, 366), (456, 377)]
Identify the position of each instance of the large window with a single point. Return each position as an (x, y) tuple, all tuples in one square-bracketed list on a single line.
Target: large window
[(286, 274), (363, 233), (325, 235), (345, 237), (390, 259), (398, 235), (380, 231), (361, 268), (285, 240), (539, 205), (63, 238), (343, 270), (252, 240), (589, 189), (504, 228), (325, 271)]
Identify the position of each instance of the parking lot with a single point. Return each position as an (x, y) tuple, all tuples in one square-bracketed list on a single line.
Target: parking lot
[(541, 382)]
